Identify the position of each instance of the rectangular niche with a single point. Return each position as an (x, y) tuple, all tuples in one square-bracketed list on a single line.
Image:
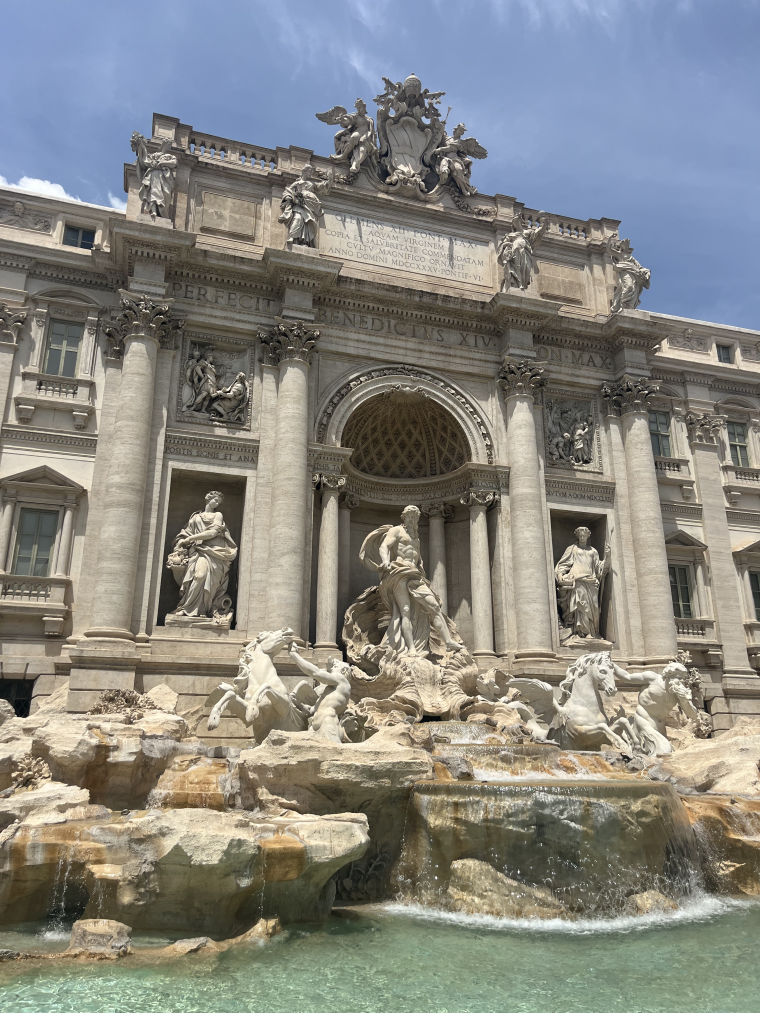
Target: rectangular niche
[(187, 495), (563, 525)]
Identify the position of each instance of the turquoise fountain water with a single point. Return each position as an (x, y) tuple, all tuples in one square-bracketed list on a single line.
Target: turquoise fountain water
[(702, 960)]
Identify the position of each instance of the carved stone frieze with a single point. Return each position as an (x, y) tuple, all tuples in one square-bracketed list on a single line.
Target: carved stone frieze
[(11, 322), (288, 340), (214, 385), (140, 316), (703, 428), (689, 341), (571, 431), (18, 216), (631, 394), (524, 378)]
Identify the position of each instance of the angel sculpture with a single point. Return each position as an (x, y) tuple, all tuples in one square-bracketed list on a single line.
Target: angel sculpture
[(357, 141), (516, 252), (453, 159)]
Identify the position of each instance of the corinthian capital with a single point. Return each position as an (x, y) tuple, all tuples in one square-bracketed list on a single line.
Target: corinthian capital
[(141, 316), (288, 340), (521, 378), (703, 428), (478, 497), (444, 510), (10, 323), (631, 394)]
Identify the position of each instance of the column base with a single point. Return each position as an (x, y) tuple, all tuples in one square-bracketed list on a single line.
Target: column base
[(485, 659)]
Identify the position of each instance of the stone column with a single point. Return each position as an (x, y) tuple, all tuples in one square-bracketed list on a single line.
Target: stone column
[(327, 572), (704, 434), (520, 382), (6, 524), (749, 598), (630, 398), (64, 546), (291, 345), (480, 571), (348, 502), (142, 326), (437, 514), (11, 322), (259, 604)]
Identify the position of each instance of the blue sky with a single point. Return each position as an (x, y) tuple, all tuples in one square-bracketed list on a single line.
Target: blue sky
[(642, 110)]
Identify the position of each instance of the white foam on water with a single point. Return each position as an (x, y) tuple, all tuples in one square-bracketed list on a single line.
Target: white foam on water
[(487, 774), (699, 908), (54, 935)]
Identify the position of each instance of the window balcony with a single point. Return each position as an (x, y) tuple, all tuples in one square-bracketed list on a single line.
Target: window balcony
[(675, 471), (42, 598)]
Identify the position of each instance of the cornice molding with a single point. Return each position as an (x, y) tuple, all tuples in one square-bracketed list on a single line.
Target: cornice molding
[(47, 436)]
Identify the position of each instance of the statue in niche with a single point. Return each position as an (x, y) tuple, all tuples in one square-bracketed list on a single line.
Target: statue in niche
[(325, 721), (301, 208), (516, 252), (645, 729), (356, 142), (200, 561), (580, 574), (453, 159), (632, 278), (159, 176), (394, 552), (570, 431)]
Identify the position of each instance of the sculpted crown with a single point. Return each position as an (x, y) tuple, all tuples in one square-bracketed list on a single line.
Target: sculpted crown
[(631, 394), (141, 316), (287, 340), (521, 378), (703, 428)]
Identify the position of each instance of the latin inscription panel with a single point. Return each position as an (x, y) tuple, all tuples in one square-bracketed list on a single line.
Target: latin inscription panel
[(400, 248)]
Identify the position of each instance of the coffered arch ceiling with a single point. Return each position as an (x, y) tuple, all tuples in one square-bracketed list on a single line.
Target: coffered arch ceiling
[(405, 434)]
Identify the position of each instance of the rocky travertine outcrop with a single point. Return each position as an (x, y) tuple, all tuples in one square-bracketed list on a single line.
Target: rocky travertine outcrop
[(182, 869), (99, 937), (197, 782), (649, 902), (727, 829), (476, 887), (118, 763), (729, 763), (51, 797), (307, 774)]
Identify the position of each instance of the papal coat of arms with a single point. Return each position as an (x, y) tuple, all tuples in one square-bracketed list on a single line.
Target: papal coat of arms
[(410, 151)]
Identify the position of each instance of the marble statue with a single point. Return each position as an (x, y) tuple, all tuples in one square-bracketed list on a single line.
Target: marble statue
[(579, 575), (258, 695), (394, 552), (645, 729), (325, 721), (570, 431), (452, 160), (409, 129), (576, 717), (356, 141), (632, 278), (301, 207), (159, 176), (200, 561), (231, 403), (516, 252)]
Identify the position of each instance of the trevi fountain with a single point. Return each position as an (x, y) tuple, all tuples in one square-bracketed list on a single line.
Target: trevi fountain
[(382, 792)]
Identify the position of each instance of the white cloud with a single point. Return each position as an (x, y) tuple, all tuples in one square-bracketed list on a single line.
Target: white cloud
[(43, 186), (116, 202)]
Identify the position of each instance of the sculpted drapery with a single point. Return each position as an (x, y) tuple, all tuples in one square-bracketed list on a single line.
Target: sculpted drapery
[(203, 553), (579, 576)]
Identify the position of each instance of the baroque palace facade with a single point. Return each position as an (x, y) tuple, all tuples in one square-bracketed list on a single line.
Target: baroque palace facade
[(318, 343)]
